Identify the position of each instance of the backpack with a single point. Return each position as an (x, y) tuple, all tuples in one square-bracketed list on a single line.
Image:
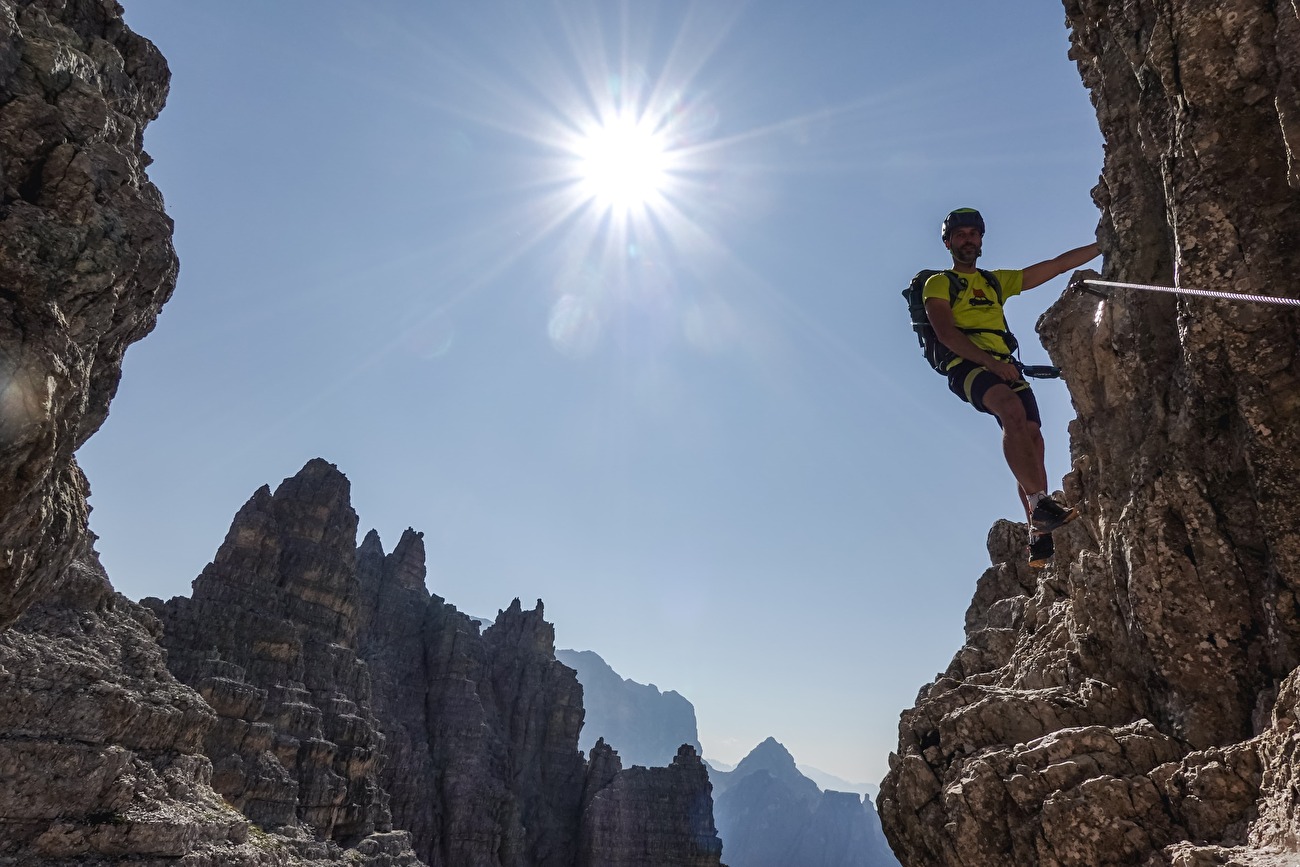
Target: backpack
[(935, 352)]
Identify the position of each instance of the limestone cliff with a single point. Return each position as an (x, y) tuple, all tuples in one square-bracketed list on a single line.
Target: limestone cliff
[(1137, 702), (100, 747), (86, 262), (269, 640), (102, 750), (624, 820), (482, 730)]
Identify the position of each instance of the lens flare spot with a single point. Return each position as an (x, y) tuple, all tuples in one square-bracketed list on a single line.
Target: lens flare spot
[(26, 399), (574, 326), (431, 339)]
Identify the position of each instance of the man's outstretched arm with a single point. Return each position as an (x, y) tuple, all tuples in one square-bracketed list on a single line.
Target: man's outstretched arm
[(1037, 275)]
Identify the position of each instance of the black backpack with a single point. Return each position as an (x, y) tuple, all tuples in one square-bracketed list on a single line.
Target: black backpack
[(935, 352)]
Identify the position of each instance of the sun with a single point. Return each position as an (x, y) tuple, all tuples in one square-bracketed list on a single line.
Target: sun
[(623, 163)]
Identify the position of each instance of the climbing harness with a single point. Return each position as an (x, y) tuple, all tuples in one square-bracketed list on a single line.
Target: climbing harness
[(935, 352), (1082, 285), (939, 355)]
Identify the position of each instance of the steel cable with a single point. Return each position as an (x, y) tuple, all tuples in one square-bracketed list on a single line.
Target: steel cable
[(1230, 296)]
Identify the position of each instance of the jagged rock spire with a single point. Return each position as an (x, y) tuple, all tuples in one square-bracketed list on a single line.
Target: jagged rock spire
[(268, 638)]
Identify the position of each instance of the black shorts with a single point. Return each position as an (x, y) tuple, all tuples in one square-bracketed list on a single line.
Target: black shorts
[(971, 382)]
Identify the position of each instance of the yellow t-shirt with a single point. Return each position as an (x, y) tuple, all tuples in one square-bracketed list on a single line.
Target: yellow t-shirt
[(977, 305)]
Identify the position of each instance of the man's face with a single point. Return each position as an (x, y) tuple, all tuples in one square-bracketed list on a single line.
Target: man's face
[(966, 243)]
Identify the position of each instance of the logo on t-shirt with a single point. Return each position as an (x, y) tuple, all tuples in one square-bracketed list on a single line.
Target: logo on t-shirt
[(978, 298)]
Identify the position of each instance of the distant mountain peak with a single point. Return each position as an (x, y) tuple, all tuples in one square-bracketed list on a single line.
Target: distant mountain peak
[(768, 813), (771, 755)]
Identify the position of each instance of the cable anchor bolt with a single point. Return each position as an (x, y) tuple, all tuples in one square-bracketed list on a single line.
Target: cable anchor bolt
[(1081, 285)]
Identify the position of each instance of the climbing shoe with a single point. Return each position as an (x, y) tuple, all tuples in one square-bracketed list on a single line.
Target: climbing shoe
[(1041, 549), (1049, 514)]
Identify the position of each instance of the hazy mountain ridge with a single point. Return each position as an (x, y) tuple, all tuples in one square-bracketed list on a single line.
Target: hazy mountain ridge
[(770, 814), (828, 781), (766, 810), (644, 725)]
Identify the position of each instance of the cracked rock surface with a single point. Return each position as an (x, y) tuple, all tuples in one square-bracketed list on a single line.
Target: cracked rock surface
[(101, 749), (268, 638), (86, 263), (482, 730), (1136, 702)]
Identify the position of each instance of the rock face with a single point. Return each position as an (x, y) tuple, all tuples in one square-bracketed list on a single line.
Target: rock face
[(269, 640), (101, 749), (625, 823), (393, 608), (771, 815), (100, 753), (644, 725), (86, 262), (483, 734), (341, 685), (1137, 702)]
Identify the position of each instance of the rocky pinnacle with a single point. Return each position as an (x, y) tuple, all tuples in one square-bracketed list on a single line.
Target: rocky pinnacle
[(1136, 703)]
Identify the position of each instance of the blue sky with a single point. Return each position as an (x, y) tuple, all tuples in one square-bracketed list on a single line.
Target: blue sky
[(699, 429)]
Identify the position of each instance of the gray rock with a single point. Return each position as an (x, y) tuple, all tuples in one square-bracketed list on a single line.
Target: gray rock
[(269, 640), (273, 758), (101, 749), (86, 263), (100, 753), (1133, 704), (483, 732), (102, 757), (393, 613), (648, 817)]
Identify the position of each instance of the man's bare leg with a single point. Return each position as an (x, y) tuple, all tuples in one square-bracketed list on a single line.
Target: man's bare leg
[(1020, 491), (1022, 441)]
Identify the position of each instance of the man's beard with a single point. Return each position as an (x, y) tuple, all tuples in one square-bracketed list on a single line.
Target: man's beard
[(966, 254)]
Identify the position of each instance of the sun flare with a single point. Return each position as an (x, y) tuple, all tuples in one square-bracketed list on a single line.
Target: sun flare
[(623, 163)]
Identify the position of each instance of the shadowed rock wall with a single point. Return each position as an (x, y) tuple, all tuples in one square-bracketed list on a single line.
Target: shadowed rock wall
[(101, 756), (1136, 703), (102, 751), (483, 734), (625, 823), (394, 607), (269, 640), (86, 262)]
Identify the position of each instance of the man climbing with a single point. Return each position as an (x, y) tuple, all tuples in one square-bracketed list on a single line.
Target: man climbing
[(970, 325)]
